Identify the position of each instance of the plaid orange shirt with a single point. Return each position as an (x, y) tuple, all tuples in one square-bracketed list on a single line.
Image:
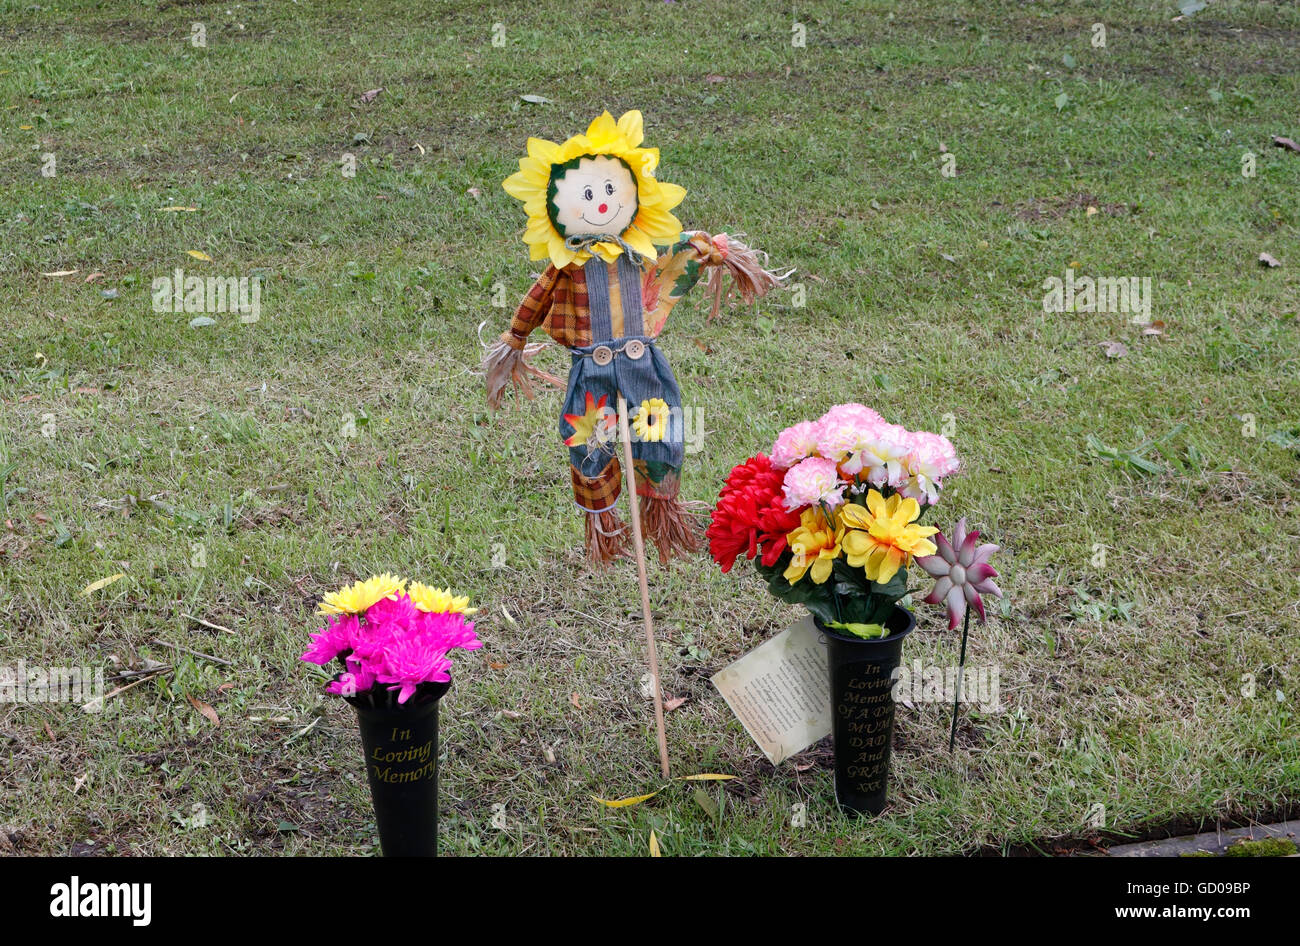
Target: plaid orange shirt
[(558, 303)]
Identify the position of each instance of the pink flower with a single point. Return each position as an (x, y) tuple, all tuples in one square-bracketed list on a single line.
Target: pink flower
[(410, 662), (812, 481), (794, 443), (400, 611), (962, 573), (881, 457), (855, 414), (930, 458), (332, 640), (846, 430), (448, 630), (357, 679)]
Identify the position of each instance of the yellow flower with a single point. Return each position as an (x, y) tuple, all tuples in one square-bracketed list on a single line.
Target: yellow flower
[(356, 598), (438, 600), (547, 163), (651, 421), (883, 538), (815, 545)]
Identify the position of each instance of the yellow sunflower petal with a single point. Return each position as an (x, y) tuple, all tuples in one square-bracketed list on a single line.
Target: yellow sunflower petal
[(542, 151), (640, 242), (670, 195), (633, 127)]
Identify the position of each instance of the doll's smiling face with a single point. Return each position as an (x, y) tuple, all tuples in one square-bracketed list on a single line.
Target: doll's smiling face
[(598, 196)]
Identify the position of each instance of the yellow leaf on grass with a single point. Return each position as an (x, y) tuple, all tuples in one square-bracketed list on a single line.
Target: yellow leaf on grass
[(654, 844), (199, 254), (102, 583), (26, 127), (705, 777), (60, 272), (625, 802), (173, 210)]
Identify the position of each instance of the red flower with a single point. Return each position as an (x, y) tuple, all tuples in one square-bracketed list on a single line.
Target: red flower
[(754, 470), (775, 522), (747, 500)]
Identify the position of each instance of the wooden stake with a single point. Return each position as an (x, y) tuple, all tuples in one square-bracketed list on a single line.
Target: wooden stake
[(639, 544)]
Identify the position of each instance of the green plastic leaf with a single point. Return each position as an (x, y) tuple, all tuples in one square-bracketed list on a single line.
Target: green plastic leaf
[(865, 631)]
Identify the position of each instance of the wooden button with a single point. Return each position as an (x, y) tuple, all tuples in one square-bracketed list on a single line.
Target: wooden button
[(602, 355), (634, 349)]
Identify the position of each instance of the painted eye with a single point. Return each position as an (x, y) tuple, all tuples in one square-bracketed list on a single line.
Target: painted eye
[(586, 194), (609, 188)]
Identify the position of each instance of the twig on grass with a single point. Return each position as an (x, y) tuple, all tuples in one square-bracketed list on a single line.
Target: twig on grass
[(196, 653), (207, 624)]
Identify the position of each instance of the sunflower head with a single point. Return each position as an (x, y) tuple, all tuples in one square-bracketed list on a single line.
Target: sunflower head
[(600, 183)]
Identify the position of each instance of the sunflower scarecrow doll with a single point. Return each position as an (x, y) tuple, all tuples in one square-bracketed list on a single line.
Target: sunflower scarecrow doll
[(597, 211)]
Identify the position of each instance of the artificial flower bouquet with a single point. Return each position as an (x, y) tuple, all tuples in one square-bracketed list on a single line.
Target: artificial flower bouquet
[(832, 517), (392, 639)]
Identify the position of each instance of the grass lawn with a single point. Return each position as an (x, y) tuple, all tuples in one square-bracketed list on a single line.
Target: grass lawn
[(1144, 494)]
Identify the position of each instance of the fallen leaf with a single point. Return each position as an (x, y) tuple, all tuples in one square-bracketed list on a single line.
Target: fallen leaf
[(1091, 211), (474, 192), (509, 616), (1115, 349), (420, 147), (1286, 143), (654, 844), (200, 321), (224, 687), (177, 210), (625, 802), (535, 99), (708, 804), (1267, 259), (705, 777), (206, 710), (803, 766), (60, 272), (950, 259), (79, 781), (510, 714), (497, 666), (49, 732), (1152, 330), (102, 583), (370, 96), (93, 276), (702, 345), (715, 78), (199, 254), (673, 703), (41, 518), (573, 698), (86, 390)]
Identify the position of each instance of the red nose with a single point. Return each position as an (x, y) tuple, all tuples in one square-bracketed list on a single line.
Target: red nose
[(602, 208)]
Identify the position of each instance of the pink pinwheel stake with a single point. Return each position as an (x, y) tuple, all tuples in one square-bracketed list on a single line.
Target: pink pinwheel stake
[(962, 573)]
